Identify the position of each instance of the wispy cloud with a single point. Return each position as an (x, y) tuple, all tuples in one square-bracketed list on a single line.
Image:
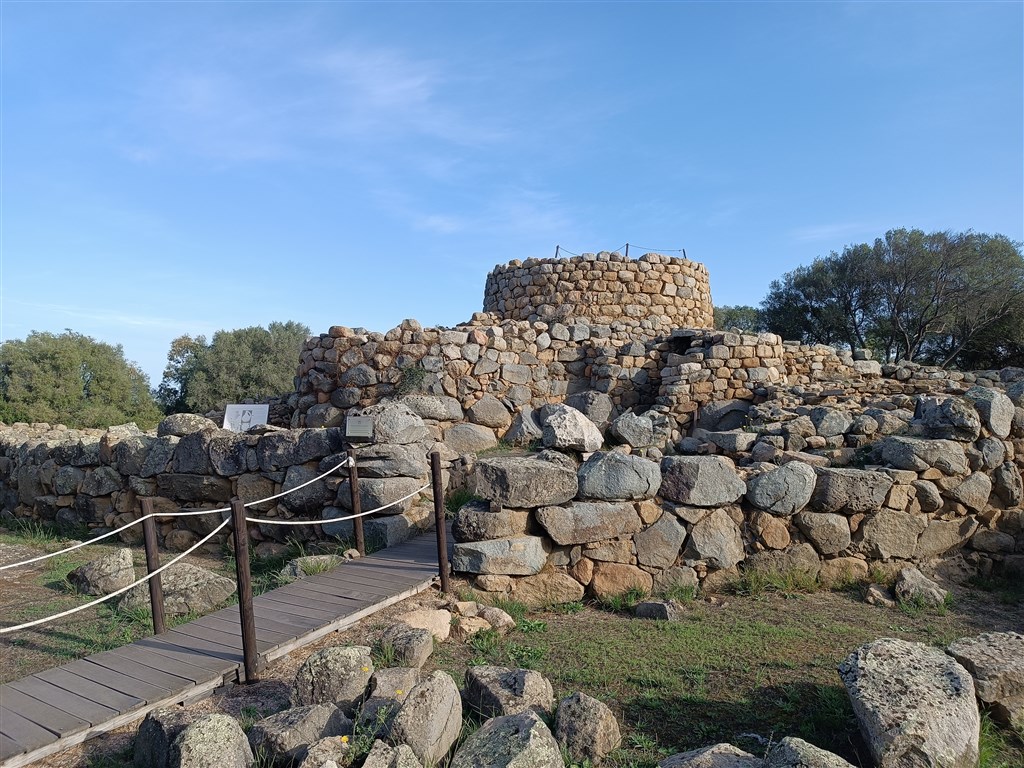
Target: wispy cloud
[(831, 232), (109, 318)]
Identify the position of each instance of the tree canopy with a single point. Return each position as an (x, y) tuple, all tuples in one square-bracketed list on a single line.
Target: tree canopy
[(252, 362), (944, 298), (74, 380), (741, 316)]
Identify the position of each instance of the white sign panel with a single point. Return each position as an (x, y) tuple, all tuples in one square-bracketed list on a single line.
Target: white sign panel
[(239, 418)]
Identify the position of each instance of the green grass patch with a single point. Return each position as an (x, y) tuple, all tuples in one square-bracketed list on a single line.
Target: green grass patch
[(623, 603), (999, 747), (756, 582), (457, 499)]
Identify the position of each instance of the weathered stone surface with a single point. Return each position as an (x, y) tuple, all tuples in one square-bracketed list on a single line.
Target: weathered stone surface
[(229, 453), (411, 646), (580, 522), (328, 752), (192, 454), (723, 414), (159, 455), (104, 574), (973, 492), (611, 579), (389, 460), (101, 481), (996, 662), (470, 438), (517, 481), (849, 491), (301, 567), (278, 450), (565, 428), (337, 675), (548, 588), (658, 545), (389, 687), (915, 704), (928, 495), (436, 621), (383, 494), (798, 558), (772, 531), (717, 540), (490, 412), (792, 752), (212, 740), (987, 540), (716, 756), (308, 500), (949, 418), (701, 481), (514, 556), (434, 407), (497, 691), (514, 741), (524, 429), (658, 610), (430, 719), (783, 491), (612, 476), (596, 406), (942, 535), (394, 422), (913, 586), (732, 442), (890, 534), (636, 431), (156, 734), (385, 756), (842, 570), (184, 488), (828, 532), (995, 408), (918, 455), (476, 522), (1008, 485), (676, 576), (286, 735), (586, 728), (830, 422), (180, 424), (187, 589)]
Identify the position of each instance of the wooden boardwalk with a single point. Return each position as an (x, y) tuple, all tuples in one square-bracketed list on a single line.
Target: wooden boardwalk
[(52, 710)]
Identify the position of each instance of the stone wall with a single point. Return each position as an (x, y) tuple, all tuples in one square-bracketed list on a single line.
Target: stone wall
[(604, 288)]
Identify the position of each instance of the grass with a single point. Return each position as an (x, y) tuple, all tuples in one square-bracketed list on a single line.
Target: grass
[(917, 605), (680, 593), (623, 603), (999, 748), (1007, 590), (756, 582), (457, 499)]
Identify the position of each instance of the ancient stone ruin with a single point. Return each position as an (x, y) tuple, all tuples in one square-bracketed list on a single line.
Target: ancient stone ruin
[(651, 451)]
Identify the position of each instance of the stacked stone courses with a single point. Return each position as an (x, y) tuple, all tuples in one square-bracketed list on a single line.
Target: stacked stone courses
[(604, 287)]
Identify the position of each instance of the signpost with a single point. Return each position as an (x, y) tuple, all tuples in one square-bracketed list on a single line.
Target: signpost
[(240, 418), (358, 429)]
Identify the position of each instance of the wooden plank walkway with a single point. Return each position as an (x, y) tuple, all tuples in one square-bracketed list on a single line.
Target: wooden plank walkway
[(50, 711)]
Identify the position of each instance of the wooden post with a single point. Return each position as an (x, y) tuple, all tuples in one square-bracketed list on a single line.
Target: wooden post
[(241, 531), (557, 248), (353, 486), (627, 250), (156, 589), (439, 521)]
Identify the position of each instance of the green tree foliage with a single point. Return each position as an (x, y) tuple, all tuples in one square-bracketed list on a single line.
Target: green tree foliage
[(740, 316), (942, 297), (74, 380), (245, 363)]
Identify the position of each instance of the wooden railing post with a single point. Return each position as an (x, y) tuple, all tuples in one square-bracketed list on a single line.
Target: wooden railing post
[(353, 486), (439, 520), (156, 589), (245, 612)]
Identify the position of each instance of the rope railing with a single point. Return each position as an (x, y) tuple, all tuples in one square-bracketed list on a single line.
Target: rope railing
[(267, 521), (180, 513), (122, 590)]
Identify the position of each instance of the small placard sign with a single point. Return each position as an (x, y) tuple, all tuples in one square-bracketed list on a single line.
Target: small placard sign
[(359, 429), (239, 418)]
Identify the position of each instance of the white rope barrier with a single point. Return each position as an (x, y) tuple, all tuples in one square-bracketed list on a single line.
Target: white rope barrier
[(346, 463), (264, 521), (147, 577)]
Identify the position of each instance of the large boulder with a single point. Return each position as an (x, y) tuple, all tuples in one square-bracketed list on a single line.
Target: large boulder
[(181, 424), (943, 535), (156, 734), (519, 481), (598, 407), (496, 691), (187, 589), (383, 755), (634, 430), (387, 495), (514, 741), (716, 539), (394, 422), (700, 481), (490, 412), (476, 521), (782, 491), (305, 494), (546, 588), (285, 736), (514, 556), (918, 455), (827, 531), (434, 407), (849, 491), (996, 662), (389, 687), (613, 579), (949, 418), (792, 752), (409, 646), (889, 534), (1008, 484), (524, 429), (914, 587), (973, 492), (716, 756), (995, 408), (915, 705), (337, 675), (586, 729), (612, 476), (389, 460), (430, 719), (212, 740), (104, 574), (565, 428), (658, 545), (470, 438), (580, 522)]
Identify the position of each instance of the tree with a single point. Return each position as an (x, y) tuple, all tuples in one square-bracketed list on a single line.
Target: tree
[(247, 363), (74, 380), (740, 316), (909, 295)]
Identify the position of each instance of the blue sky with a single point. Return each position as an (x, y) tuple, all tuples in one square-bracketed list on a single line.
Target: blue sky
[(172, 168)]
